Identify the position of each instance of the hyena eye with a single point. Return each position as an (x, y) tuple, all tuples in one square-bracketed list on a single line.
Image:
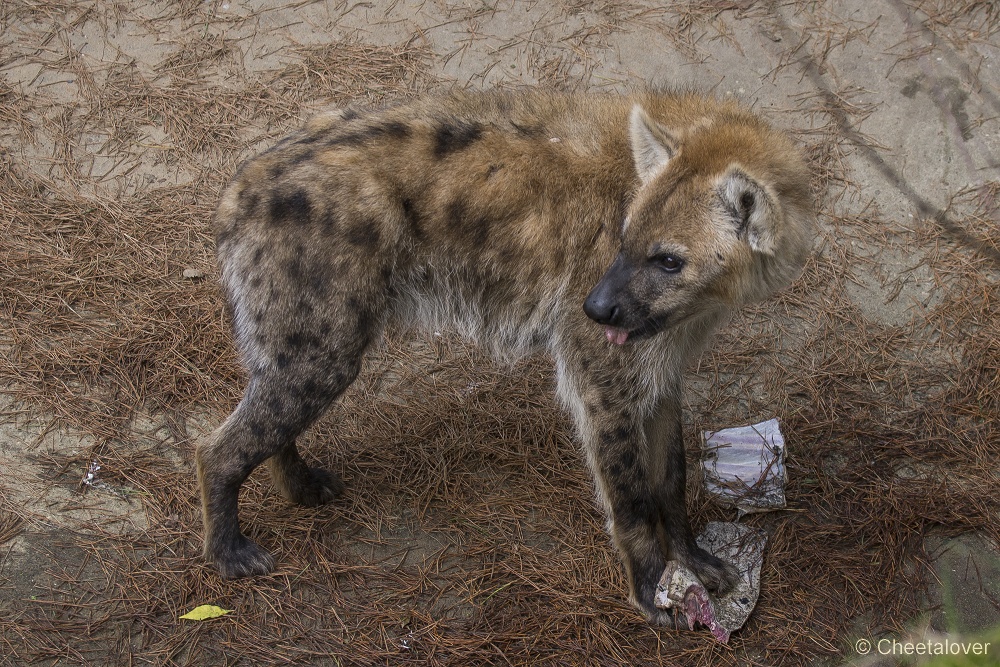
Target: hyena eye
[(669, 263)]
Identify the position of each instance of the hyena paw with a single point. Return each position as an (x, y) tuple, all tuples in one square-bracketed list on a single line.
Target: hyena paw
[(642, 591), (316, 488), (242, 558), (654, 615), (716, 574)]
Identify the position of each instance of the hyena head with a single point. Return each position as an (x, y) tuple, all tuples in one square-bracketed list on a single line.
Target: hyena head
[(722, 217)]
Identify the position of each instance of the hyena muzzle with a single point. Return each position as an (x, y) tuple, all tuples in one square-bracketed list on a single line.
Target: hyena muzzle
[(614, 233)]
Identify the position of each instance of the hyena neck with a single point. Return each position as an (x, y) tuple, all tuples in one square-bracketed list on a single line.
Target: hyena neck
[(672, 352)]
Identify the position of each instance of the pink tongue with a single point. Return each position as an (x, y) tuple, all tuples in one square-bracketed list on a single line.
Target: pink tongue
[(616, 336)]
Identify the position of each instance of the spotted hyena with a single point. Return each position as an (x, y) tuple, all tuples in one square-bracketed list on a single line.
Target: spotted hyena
[(614, 232)]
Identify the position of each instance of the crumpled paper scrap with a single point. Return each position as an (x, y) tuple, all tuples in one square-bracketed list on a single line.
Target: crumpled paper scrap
[(679, 589), (745, 466)]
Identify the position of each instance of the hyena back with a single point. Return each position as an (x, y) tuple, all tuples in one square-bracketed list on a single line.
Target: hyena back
[(519, 220)]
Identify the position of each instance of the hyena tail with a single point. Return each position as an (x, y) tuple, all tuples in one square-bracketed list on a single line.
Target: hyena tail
[(275, 410)]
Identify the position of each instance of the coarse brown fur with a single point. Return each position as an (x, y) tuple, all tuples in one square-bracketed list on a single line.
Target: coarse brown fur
[(518, 219)]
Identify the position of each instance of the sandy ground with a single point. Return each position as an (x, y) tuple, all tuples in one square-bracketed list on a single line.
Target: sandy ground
[(119, 121)]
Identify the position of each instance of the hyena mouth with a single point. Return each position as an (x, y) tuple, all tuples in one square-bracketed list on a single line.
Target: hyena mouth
[(646, 329)]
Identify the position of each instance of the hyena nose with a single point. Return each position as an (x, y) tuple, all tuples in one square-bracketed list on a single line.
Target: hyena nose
[(601, 310), (602, 304)]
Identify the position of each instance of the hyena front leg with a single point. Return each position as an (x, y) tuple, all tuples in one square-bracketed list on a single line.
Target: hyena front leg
[(617, 452), (639, 469), (667, 471)]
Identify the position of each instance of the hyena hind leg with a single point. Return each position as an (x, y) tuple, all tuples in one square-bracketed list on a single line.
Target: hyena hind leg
[(274, 411), (300, 483)]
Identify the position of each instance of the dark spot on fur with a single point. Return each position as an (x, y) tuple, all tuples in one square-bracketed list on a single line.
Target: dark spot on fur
[(451, 137), (412, 218), (627, 459), (477, 228), (330, 221), (304, 307), (302, 157), (328, 391), (493, 169), (396, 130), (301, 340), (249, 199), (457, 214), (308, 399), (507, 257), (276, 403), (366, 320), (256, 429), (282, 360), (294, 269), (224, 235), (318, 283), (620, 434), (276, 170), (529, 131), (286, 431), (350, 114), (364, 313), (258, 254), (481, 230), (559, 257), (634, 508), (364, 234), (293, 207), (309, 407), (392, 130)]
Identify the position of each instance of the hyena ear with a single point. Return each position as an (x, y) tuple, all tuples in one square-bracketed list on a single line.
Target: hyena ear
[(751, 210), (653, 145)]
